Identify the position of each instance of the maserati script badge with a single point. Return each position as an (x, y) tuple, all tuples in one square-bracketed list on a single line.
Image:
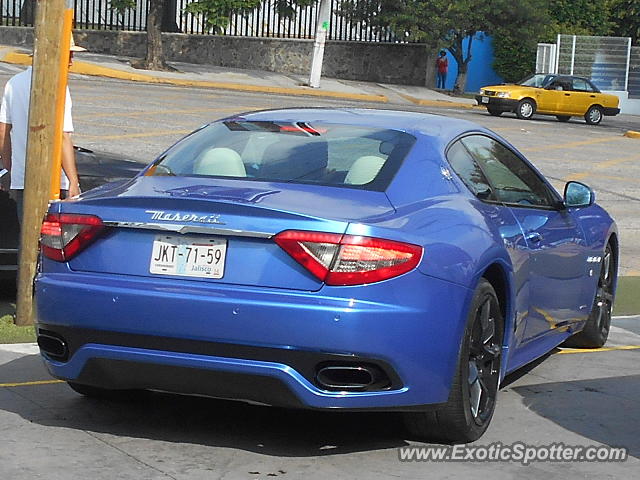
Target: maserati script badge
[(183, 217)]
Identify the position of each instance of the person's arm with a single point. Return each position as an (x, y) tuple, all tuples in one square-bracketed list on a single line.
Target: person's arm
[(5, 145), (69, 164)]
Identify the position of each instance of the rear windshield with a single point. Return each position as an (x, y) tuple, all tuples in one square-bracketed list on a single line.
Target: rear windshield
[(300, 152)]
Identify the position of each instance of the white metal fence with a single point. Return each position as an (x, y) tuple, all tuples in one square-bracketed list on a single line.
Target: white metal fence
[(610, 62)]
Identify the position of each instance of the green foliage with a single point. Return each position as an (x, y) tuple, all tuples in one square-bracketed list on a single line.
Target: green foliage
[(9, 333), (625, 19), (121, 6), (216, 13), (517, 30), (578, 17)]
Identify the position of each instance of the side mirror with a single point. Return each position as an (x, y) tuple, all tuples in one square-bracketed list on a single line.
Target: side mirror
[(578, 194)]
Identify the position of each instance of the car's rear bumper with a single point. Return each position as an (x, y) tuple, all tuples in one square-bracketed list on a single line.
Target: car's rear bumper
[(610, 111), (261, 346), (500, 104)]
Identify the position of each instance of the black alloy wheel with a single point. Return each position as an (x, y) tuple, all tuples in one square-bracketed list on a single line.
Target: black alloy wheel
[(595, 332), (472, 399)]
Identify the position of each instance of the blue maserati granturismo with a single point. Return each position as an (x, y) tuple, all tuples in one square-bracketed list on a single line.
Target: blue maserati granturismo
[(345, 259)]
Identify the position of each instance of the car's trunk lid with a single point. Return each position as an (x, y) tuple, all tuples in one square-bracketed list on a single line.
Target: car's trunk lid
[(236, 218)]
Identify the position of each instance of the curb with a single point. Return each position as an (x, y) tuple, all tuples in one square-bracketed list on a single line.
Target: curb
[(437, 103), (632, 134), (92, 69)]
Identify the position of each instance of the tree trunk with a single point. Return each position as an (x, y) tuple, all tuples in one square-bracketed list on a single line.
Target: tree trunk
[(28, 12), (169, 17), (461, 79), (456, 50), (155, 55)]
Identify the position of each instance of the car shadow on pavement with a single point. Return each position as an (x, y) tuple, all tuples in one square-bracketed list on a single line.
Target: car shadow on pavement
[(197, 420), (605, 410)]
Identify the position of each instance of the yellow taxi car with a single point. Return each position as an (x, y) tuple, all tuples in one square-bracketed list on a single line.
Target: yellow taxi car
[(549, 94)]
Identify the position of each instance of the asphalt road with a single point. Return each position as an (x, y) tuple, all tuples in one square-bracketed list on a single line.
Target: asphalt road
[(48, 431)]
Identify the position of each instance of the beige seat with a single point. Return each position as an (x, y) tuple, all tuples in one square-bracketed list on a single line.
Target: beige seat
[(223, 162), (364, 170)]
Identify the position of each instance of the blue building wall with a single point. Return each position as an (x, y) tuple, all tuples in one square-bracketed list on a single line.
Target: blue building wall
[(480, 71)]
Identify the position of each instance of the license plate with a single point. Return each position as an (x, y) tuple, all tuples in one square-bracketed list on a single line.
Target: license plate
[(188, 256), (485, 99)]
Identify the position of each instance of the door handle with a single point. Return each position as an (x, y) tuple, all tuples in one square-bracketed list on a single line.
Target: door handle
[(592, 96), (533, 237), (567, 94)]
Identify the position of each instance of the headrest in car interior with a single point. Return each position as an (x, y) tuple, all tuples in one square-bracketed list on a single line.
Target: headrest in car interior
[(223, 162), (295, 158), (364, 170)]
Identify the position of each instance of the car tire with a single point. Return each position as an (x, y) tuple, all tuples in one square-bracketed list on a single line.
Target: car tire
[(563, 118), (594, 115), (472, 398), (596, 330), (494, 112), (525, 109), (104, 393)]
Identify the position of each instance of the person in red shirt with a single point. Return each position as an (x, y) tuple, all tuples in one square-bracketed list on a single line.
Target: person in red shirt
[(442, 66)]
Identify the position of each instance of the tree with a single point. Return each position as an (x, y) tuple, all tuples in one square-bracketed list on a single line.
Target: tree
[(154, 59), (435, 22), (625, 19), (28, 12), (516, 32), (578, 17), (215, 16)]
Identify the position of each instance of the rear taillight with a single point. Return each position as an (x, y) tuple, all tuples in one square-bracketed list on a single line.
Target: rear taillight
[(349, 259), (63, 235)]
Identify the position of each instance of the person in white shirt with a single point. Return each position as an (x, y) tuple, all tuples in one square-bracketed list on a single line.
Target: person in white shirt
[(14, 123)]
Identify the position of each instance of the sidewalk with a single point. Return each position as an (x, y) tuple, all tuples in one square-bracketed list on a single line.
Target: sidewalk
[(209, 76)]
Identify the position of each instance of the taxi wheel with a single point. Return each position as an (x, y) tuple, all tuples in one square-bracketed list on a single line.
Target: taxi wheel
[(593, 115), (525, 110), (563, 118), (493, 112)]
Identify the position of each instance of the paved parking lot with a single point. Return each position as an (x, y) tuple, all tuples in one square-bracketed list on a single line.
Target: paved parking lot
[(49, 431), (575, 398)]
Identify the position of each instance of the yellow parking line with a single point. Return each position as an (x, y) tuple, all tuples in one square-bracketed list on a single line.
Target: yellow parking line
[(30, 384), (594, 350), (156, 133), (580, 143)]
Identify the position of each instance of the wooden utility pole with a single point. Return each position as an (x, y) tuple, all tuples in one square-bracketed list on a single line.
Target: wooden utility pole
[(51, 47)]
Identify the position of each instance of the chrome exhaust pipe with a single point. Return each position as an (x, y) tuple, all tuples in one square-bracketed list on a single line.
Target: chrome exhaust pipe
[(53, 346), (346, 377)]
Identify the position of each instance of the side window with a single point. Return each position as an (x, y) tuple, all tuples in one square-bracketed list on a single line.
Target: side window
[(581, 85), (560, 83), (469, 171), (513, 180)]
